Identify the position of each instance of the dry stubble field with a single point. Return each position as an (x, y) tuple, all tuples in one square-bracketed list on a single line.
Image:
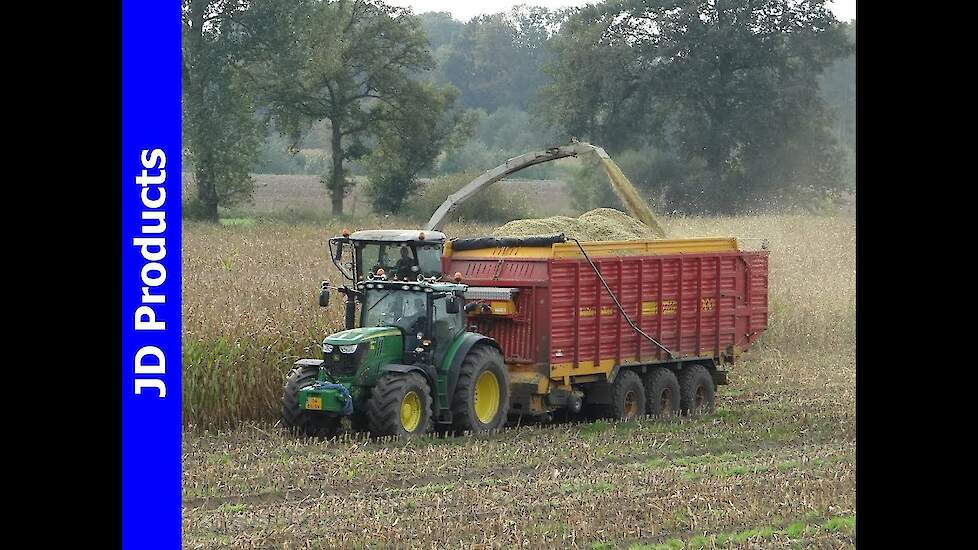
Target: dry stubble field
[(774, 467)]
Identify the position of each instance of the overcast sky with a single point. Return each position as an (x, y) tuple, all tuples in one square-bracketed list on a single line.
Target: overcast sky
[(845, 10)]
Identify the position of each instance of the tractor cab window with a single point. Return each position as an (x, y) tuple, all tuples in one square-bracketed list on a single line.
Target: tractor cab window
[(405, 261), (398, 308), (446, 325), (374, 256), (429, 259)]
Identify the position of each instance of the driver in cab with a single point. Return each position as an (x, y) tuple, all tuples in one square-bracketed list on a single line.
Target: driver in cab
[(406, 267)]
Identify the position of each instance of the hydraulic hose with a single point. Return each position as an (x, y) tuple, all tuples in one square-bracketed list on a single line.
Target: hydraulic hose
[(618, 304)]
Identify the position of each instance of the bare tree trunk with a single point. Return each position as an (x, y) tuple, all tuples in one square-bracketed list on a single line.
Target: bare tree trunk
[(206, 195), (337, 185), (206, 192)]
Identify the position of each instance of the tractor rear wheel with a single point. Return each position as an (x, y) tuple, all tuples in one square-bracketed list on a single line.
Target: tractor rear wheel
[(358, 423), (696, 389), (627, 396), (400, 405), (299, 421), (481, 400), (661, 392)]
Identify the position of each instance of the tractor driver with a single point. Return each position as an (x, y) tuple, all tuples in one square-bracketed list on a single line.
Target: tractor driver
[(406, 267)]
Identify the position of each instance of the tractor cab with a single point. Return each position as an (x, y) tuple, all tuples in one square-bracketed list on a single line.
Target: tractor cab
[(398, 254)]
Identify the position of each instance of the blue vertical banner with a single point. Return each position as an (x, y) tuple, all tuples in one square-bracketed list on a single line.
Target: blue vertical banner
[(151, 278)]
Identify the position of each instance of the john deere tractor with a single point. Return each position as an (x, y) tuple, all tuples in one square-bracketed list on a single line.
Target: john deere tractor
[(405, 363)]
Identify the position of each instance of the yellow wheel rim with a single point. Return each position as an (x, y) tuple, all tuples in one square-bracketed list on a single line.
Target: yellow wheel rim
[(486, 398), (410, 411)]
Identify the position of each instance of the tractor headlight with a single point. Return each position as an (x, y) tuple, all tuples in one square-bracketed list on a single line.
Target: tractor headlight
[(327, 348), (349, 349)]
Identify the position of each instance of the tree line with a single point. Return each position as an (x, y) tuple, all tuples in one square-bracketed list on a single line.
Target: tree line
[(720, 103)]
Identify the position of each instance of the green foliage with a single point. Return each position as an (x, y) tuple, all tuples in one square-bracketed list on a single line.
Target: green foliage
[(273, 157), (502, 135), (441, 30), (412, 136), (838, 87), (492, 204), (353, 64), (730, 89), (220, 132), (496, 60)]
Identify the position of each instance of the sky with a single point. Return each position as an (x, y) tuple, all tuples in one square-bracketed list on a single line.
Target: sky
[(463, 10)]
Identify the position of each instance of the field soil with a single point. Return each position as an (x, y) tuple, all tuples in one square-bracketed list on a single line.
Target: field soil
[(773, 467)]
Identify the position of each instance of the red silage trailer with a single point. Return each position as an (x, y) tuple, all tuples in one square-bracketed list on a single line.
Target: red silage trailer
[(673, 313)]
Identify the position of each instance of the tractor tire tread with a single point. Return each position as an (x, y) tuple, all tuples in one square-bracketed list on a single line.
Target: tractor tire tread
[(384, 405), (301, 422), (462, 420)]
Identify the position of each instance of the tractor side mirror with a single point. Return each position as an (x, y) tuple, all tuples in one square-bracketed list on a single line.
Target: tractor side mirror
[(451, 305), (324, 294)]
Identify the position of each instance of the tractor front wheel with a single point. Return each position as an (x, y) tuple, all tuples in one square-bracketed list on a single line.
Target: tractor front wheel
[(481, 400), (399, 405), (299, 421)]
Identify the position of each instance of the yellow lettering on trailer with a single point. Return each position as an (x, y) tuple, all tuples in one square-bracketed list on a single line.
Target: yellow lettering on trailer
[(588, 311), (668, 307), (650, 308), (708, 304)]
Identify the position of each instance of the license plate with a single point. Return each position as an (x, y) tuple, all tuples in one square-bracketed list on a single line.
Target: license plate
[(314, 403)]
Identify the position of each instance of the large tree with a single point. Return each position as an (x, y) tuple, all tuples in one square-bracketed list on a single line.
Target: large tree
[(353, 63), (221, 133), (729, 86)]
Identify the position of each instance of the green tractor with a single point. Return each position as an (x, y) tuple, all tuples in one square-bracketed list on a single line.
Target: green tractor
[(405, 364)]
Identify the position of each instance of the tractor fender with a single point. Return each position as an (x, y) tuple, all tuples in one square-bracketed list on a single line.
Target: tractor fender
[(469, 340), (405, 369)]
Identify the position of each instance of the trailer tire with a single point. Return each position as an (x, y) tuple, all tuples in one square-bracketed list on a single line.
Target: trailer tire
[(483, 370), (399, 405), (662, 392), (697, 391), (627, 396), (299, 421)]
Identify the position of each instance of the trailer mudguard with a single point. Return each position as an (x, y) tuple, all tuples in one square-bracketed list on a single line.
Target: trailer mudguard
[(452, 363)]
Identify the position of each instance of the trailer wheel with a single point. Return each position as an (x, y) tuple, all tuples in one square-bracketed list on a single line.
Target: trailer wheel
[(697, 392), (299, 421), (662, 392), (481, 400), (399, 405), (627, 396)]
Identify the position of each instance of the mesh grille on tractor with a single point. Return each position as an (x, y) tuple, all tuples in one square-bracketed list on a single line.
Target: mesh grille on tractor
[(490, 293)]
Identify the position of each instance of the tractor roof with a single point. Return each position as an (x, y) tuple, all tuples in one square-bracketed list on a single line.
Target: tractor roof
[(398, 235)]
